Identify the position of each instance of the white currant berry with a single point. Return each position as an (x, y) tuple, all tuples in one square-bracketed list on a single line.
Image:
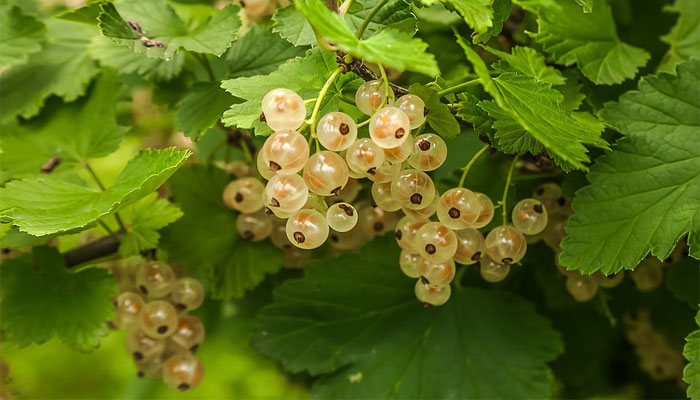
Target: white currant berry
[(414, 107), (183, 371), (409, 264), (459, 208), (284, 110), (307, 229), (385, 173), (255, 8), (286, 193), (389, 127), (263, 168), (341, 217), (554, 232), (350, 240), (254, 227), (189, 334), (244, 195), (150, 368), (429, 152), (128, 306), (278, 236), (648, 275), (187, 294), (437, 274), (158, 319), (470, 246), (399, 154), (413, 189), (381, 194), (375, 221), (371, 96), (608, 281), (405, 233), (436, 242), (155, 279), (529, 216), (143, 347), (364, 156), (347, 194), (487, 211), (336, 131), (491, 270), (581, 287), (424, 213), (432, 295), (325, 173), (285, 152), (506, 245), (548, 194)]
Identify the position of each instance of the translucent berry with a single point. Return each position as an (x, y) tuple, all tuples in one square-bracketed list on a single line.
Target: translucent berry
[(405, 233), (375, 221), (296, 258), (254, 227), (364, 156), (155, 279), (284, 110), (529, 216), (350, 240), (263, 168), (151, 369), (381, 194), (554, 232), (429, 152), (389, 127), (128, 307), (424, 213), (491, 270), (548, 194), (183, 371), (608, 281), (459, 208), (409, 264), (437, 274), (255, 8), (307, 229), (285, 152), (244, 195), (436, 243), (325, 173), (187, 294), (158, 319), (486, 214), (470, 246), (336, 131), (414, 107), (506, 245), (142, 347), (341, 217), (399, 154), (385, 173), (432, 295), (188, 335), (581, 287), (286, 193), (413, 189), (371, 96), (278, 237), (347, 194), (648, 275)]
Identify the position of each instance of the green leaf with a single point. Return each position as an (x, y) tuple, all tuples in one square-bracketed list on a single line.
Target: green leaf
[(477, 13), (143, 219), (201, 108), (74, 132), (259, 52), (86, 14), (691, 351), (684, 38), (20, 35), (501, 12), (394, 14), (233, 265), (43, 299), (645, 195), (111, 54), (588, 40), (62, 68), (528, 61), (292, 26), (472, 113), (480, 69), (160, 22), (62, 202), (439, 116), (587, 5), (682, 280), (355, 320), (390, 47)]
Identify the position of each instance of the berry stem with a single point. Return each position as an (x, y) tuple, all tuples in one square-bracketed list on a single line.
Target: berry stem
[(387, 89), (505, 190), (307, 101), (363, 123), (317, 106), (457, 88), (471, 162), (106, 228), (368, 18), (89, 169)]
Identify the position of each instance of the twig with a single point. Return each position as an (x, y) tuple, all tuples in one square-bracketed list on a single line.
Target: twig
[(364, 72), (102, 247)]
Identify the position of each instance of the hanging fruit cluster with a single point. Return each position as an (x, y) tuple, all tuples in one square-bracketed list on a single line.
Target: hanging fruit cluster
[(161, 337)]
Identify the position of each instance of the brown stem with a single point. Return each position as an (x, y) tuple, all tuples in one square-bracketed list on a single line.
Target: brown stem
[(102, 247), (359, 67)]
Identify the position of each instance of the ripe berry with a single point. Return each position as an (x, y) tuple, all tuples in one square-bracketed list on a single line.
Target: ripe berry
[(554, 232), (364, 156), (424, 213), (385, 173), (350, 240), (183, 371), (155, 279), (437, 274), (458, 208), (492, 271), (381, 194), (255, 8), (307, 229), (187, 294), (348, 193), (286, 193), (158, 319), (581, 287), (432, 295), (414, 107), (389, 127), (254, 227), (399, 154), (470, 246), (128, 307), (341, 217), (506, 245), (648, 275), (548, 194), (409, 264), (285, 152), (188, 335), (151, 369), (529, 216), (142, 347), (436, 243), (413, 189), (371, 96), (375, 221), (429, 152), (263, 168), (608, 281), (244, 195), (336, 131), (405, 233), (486, 214), (278, 236), (325, 173), (284, 110)]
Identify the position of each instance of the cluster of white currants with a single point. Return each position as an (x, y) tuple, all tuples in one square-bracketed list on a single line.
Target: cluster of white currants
[(161, 337)]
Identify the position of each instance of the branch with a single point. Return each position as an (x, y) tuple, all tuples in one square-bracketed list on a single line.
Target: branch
[(359, 67), (102, 247)]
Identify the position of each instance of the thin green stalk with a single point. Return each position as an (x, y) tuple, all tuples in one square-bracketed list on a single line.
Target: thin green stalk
[(207, 67), (122, 227), (363, 123), (321, 94), (307, 101), (106, 228), (471, 162), (368, 18), (505, 190), (536, 176), (387, 87), (457, 88)]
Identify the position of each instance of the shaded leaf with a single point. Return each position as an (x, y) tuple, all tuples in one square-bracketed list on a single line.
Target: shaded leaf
[(144, 219), (439, 116), (20, 35), (684, 38)]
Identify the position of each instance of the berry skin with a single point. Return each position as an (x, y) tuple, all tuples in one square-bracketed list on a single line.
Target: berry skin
[(342, 217), (437, 275), (188, 335), (581, 287), (409, 264), (158, 319), (648, 275), (389, 127), (284, 110), (554, 232), (278, 237), (436, 243), (336, 131), (183, 371), (142, 347), (405, 233), (348, 193), (128, 307), (286, 193), (432, 295), (285, 152), (385, 173), (414, 107), (364, 157), (487, 210), (609, 281), (413, 189), (325, 173), (459, 208), (470, 246), (529, 216), (506, 245), (375, 221), (381, 194), (371, 96), (263, 168), (187, 294), (548, 194), (155, 279), (244, 195), (424, 213), (399, 154), (307, 229), (255, 8), (254, 227), (429, 152), (350, 240), (492, 271)]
